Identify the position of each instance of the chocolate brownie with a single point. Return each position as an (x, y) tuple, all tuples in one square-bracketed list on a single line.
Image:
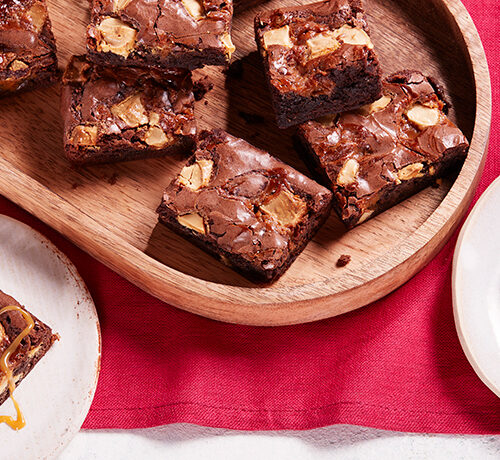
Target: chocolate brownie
[(125, 113), (375, 156), (163, 33), (318, 59), (243, 206), (32, 348), (27, 46)]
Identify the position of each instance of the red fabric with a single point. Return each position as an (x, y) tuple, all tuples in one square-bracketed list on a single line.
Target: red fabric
[(396, 364)]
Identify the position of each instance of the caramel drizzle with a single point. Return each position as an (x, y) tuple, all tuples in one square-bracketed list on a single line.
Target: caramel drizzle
[(19, 422)]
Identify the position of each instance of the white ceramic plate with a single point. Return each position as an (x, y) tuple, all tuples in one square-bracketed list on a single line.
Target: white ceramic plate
[(56, 396), (476, 287)]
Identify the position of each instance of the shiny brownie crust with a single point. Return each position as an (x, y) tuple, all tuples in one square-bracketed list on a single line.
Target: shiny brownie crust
[(162, 33), (317, 68), (117, 114), (376, 156), (244, 207)]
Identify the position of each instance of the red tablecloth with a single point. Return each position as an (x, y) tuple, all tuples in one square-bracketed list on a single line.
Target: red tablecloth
[(396, 364)]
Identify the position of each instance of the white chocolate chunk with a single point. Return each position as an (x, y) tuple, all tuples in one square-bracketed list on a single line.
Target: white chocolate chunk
[(38, 16), (285, 208), (365, 216), (155, 137), (194, 8), (119, 5), (322, 44), (353, 36), (131, 111), (349, 172), (228, 44), (84, 135), (423, 116), (18, 65), (410, 171), (279, 36), (117, 37), (193, 221), (196, 175), (376, 106)]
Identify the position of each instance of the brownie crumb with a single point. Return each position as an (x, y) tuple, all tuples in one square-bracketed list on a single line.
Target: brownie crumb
[(235, 70), (344, 259), (251, 118), (112, 180), (202, 87)]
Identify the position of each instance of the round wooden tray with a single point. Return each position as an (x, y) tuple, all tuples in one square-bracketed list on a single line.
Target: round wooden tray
[(110, 210)]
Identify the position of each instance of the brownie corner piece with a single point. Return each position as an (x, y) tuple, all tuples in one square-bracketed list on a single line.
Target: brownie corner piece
[(383, 152), (243, 206), (162, 33), (27, 46), (125, 113), (318, 59), (30, 350)]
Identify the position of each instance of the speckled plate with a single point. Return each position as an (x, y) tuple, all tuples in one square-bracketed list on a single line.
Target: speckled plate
[(56, 396), (476, 287)]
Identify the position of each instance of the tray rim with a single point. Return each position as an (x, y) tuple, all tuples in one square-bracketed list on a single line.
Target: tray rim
[(392, 270)]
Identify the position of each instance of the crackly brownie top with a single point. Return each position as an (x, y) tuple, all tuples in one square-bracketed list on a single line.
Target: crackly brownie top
[(147, 107), (244, 200), (24, 34), (303, 45), (396, 138), (125, 27), (12, 324)]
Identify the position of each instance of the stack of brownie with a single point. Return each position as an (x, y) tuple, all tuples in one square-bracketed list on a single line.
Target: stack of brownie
[(371, 141)]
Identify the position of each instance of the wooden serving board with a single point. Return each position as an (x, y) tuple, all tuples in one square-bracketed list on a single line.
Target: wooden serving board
[(109, 211)]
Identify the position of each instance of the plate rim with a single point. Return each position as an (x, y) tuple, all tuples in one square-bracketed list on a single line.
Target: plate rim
[(68, 435), (206, 298), (457, 300)]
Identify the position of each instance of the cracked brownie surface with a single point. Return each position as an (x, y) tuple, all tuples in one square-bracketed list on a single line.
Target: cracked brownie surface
[(164, 33), (27, 46), (318, 59), (113, 114), (383, 152), (32, 348), (245, 207)]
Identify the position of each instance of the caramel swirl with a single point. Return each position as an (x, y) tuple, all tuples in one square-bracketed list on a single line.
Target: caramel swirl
[(19, 422)]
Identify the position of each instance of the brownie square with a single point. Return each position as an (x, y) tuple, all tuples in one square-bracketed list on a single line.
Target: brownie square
[(32, 348), (381, 153), (162, 33), (115, 114), (27, 46), (318, 59), (243, 206)]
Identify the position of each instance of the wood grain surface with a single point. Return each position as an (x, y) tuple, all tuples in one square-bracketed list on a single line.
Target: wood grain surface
[(109, 211)]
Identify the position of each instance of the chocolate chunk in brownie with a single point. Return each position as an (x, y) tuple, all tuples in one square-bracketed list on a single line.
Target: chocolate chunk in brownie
[(162, 33), (125, 113), (243, 206), (27, 46), (32, 348), (318, 59), (381, 153)]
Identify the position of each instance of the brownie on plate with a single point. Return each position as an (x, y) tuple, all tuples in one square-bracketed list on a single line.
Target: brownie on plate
[(27, 46), (379, 154), (243, 206), (31, 349), (318, 59), (125, 113), (164, 33)]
